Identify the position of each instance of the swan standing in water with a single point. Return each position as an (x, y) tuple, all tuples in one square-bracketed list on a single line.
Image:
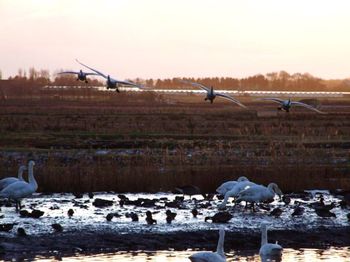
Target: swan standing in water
[(235, 190), (206, 256), (259, 193), (21, 189), (9, 180), (269, 250), (227, 186), (211, 94), (287, 104)]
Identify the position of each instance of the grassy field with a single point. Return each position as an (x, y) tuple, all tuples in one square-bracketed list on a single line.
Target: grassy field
[(138, 142)]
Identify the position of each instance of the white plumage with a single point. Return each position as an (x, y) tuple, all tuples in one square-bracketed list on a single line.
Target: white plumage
[(21, 189), (9, 180), (227, 186), (259, 193), (206, 256), (235, 191), (268, 250)]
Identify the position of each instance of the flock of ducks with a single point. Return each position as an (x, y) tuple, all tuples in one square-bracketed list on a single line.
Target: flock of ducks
[(16, 188), (112, 83)]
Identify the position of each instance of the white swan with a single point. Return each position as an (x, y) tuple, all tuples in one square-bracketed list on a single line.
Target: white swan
[(235, 191), (268, 250), (9, 180), (259, 193), (211, 94), (287, 104), (227, 186), (21, 189), (82, 76), (206, 256), (112, 83)]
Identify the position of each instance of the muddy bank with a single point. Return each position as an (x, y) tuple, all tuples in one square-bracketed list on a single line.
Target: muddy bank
[(90, 242)]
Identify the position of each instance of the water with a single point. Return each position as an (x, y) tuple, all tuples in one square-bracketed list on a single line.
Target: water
[(86, 216), (289, 255)]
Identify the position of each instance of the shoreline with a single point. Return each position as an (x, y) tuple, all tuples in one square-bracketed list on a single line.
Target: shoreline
[(95, 242)]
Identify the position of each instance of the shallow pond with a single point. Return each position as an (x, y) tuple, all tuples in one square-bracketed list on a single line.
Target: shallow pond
[(289, 255)]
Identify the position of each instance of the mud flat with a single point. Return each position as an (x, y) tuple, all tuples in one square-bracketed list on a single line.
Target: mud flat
[(93, 242)]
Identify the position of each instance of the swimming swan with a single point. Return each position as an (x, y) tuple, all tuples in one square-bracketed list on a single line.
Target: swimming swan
[(206, 256), (21, 189), (268, 250), (9, 180)]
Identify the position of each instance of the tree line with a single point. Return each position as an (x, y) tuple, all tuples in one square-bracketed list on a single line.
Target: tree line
[(33, 80)]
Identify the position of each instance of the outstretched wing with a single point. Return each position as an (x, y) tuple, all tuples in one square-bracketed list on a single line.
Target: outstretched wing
[(127, 83), (68, 72), (231, 99), (103, 75), (308, 107), (277, 100), (97, 72), (195, 84)]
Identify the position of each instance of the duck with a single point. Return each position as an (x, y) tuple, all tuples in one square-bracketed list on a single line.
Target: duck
[(227, 186), (194, 212), (188, 190), (9, 180), (206, 256), (21, 189), (149, 218), (268, 250), (170, 216), (298, 211), (220, 217), (70, 212), (57, 227), (259, 193), (277, 212)]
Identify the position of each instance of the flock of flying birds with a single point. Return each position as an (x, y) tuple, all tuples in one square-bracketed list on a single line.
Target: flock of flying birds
[(111, 83)]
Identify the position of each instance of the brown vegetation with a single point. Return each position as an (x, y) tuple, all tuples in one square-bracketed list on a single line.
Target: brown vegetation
[(153, 145)]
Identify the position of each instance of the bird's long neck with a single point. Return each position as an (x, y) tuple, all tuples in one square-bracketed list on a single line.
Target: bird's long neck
[(20, 174), (263, 235), (31, 177), (220, 247)]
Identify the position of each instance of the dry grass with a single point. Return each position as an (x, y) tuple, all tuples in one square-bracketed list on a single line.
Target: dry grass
[(158, 145)]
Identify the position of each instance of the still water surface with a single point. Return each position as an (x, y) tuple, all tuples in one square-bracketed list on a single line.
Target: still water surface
[(289, 255)]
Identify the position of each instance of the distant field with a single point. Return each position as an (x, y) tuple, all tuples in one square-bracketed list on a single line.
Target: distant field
[(137, 142)]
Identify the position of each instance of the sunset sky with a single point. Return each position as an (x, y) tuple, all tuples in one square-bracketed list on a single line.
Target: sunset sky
[(159, 39)]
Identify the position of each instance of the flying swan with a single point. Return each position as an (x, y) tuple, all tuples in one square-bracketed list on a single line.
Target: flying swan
[(211, 94), (287, 104)]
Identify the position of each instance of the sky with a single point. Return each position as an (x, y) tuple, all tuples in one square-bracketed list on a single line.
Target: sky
[(182, 38)]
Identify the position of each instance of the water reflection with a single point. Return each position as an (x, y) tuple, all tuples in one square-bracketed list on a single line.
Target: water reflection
[(289, 255)]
